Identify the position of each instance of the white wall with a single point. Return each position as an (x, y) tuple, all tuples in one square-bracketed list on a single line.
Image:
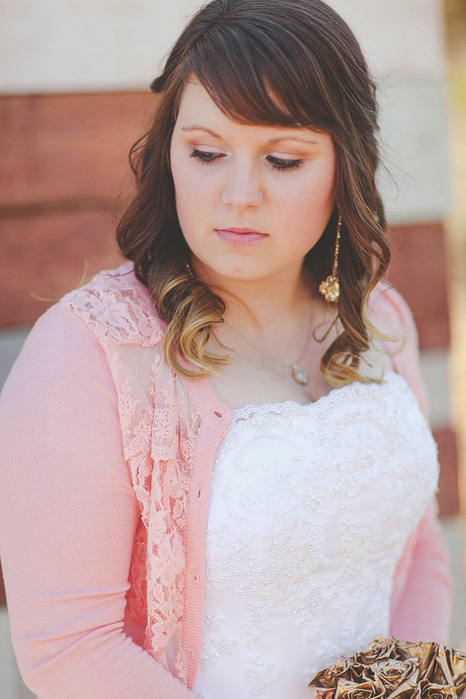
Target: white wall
[(90, 45), (71, 45)]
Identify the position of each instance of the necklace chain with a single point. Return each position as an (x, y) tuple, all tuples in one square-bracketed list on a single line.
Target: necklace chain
[(299, 375), (276, 361)]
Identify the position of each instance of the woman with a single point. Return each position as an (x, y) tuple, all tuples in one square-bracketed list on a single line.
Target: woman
[(218, 474)]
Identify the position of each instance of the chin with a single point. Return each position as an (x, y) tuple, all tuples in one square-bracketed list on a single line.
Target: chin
[(243, 275)]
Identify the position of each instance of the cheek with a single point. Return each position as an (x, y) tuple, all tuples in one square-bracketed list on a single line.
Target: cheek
[(307, 204), (310, 198), (181, 180), (191, 189), (191, 200), (184, 190)]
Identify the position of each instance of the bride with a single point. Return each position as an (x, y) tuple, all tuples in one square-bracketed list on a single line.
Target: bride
[(218, 473)]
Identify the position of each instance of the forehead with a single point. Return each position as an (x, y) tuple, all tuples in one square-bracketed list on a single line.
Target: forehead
[(195, 97), (198, 108)]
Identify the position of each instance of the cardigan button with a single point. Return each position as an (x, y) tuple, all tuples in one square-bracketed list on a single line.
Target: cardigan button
[(195, 576), (191, 652), (217, 413)]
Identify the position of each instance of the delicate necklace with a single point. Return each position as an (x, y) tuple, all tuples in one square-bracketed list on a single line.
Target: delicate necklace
[(299, 375)]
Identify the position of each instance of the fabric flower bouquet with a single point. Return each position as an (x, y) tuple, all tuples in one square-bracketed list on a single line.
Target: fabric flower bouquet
[(392, 669)]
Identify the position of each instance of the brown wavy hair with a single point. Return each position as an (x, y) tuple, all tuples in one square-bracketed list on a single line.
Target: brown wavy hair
[(292, 63)]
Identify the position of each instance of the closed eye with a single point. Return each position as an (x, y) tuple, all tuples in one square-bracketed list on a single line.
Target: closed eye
[(208, 157)]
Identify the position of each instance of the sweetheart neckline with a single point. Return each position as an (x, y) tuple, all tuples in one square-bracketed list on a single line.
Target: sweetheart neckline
[(335, 392)]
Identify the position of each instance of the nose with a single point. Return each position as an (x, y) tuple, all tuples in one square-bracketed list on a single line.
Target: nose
[(242, 188)]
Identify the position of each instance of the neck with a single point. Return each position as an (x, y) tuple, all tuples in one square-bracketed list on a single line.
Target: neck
[(263, 306)]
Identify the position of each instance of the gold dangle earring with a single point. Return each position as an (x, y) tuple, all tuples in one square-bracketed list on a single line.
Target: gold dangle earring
[(330, 288), (189, 268)]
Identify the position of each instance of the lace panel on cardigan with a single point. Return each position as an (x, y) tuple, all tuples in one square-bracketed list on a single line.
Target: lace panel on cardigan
[(116, 306), (159, 428)]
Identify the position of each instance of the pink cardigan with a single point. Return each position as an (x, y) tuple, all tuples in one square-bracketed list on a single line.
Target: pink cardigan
[(106, 459)]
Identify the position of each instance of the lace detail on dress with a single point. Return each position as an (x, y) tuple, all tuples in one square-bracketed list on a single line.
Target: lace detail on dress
[(218, 643), (310, 509)]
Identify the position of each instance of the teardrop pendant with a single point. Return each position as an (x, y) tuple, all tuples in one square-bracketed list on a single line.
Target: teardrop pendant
[(299, 375)]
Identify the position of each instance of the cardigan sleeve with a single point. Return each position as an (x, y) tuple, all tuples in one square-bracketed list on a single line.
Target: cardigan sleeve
[(423, 609), (423, 585), (67, 522)]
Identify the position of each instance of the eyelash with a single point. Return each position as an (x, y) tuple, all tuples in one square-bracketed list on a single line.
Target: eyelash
[(288, 164)]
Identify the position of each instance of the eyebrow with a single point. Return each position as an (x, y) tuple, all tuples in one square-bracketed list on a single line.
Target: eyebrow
[(272, 140)]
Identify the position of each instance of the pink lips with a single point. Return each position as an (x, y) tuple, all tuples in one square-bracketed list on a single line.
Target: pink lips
[(240, 236)]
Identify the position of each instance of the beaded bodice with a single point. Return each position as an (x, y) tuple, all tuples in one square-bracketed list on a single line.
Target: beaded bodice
[(310, 508)]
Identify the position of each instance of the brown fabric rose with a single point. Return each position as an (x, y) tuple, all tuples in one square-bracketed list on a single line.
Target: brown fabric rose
[(377, 649), (328, 677), (370, 689), (394, 672), (424, 653), (457, 664), (431, 690), (388, 668)]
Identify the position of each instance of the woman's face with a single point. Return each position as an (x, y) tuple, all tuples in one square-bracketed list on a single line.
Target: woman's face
[(275, 180)]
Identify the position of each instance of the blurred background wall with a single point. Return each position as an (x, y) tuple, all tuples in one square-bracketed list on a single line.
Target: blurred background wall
[(74, 96)]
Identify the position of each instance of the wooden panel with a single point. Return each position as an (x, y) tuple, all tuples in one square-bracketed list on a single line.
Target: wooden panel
[(418, 271), (68, 147), (448, 495), (47, 256)]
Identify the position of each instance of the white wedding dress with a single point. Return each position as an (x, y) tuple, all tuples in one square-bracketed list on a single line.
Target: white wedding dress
[(309, 511)]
